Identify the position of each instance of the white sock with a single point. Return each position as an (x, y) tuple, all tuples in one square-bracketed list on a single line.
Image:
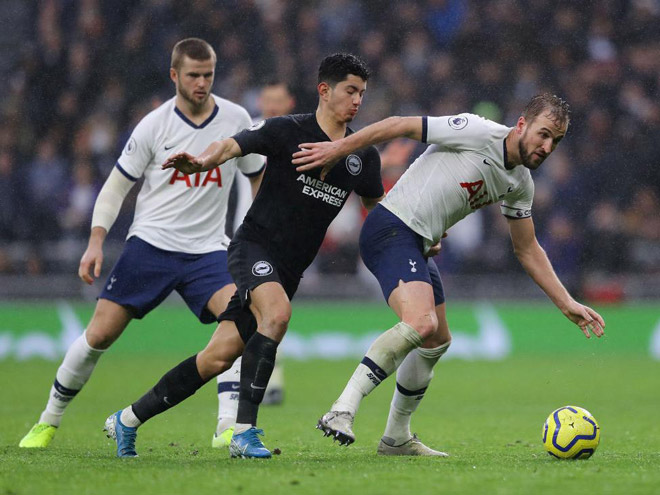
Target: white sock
[(76, 368), (128, 418), (241, 427), (382, 359), (228, 388), (412, 379), (277, 378)]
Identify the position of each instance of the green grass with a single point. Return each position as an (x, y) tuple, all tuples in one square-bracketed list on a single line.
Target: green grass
[(488, 416)]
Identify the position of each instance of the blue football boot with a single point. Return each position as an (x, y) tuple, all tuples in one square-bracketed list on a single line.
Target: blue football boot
[(247, 445), (125, 436)]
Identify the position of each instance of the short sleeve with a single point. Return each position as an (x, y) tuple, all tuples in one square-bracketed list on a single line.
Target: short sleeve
[(138, 151), (518, 204), (259, 138), (371, 185), (464, 131), (250, 165)]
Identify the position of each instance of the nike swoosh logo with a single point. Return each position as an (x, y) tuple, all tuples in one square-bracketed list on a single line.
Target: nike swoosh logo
[(235, 387), (166, 401), (257, 388), (487, 163), (169, 147)]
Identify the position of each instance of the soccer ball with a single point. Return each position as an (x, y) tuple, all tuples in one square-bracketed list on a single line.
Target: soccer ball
[(571, 432)]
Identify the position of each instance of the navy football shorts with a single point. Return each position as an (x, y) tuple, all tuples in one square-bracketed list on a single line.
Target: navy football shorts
[(392, 251), (145, 275)]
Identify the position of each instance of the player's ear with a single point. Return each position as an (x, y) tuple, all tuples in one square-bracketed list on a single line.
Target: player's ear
[(520, 125), (173, 74), (323, 89)]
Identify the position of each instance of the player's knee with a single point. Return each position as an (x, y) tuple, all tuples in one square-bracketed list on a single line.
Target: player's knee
[(106, 325), (99, 338), (438, 339), (276, 322), (426, 324)]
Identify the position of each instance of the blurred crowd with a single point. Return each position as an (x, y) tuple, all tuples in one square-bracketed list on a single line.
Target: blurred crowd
[(79, 74)]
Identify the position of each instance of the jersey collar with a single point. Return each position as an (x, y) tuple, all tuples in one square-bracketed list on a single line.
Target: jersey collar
[(322, 132), (191, 123)]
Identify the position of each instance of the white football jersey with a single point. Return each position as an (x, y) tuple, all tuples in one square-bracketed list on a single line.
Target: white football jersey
[(174, 211), (462, 170)]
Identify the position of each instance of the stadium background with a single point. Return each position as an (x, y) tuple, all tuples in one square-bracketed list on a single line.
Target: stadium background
[(77, 75)]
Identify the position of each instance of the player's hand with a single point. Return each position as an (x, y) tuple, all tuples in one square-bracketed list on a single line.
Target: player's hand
[(435, 249), (91, 259), (183, 162), (315, 155), (586, 318)]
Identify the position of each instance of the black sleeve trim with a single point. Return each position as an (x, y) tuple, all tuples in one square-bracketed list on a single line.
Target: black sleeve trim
[(517, 218), (425, 129)]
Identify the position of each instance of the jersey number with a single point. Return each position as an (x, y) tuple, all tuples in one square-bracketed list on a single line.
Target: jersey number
[(212, 175)]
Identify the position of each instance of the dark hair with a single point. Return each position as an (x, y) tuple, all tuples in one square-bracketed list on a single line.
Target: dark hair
[(547, 103), (194, 48), (278, 82), (337, 67)]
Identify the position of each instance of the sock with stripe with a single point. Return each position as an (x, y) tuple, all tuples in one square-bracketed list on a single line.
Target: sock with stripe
[(229, 384), (412, 379), (76, 368), (382, 359)]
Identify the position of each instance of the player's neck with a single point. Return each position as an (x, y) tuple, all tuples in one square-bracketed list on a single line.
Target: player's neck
[(328, 123), (195, 114), (513, 158)]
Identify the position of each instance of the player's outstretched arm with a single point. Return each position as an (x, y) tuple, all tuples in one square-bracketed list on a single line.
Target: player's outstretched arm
[(215, 155), (107, 206), (325, 154), (536, 263)]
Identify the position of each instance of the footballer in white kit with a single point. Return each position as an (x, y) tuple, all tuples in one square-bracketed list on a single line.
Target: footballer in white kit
[(463, 170), (178, 217), (472, 162), (177, 239)]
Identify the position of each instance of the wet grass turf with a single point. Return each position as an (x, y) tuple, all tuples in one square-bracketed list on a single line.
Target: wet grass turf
[(487, 415)]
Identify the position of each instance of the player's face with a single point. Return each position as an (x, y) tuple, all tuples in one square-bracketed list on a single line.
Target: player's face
[(194, 80), (538, 139), (275, 101), (345, 98)]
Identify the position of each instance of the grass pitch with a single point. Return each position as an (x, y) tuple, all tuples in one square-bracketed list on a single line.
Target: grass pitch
[(487, 415)]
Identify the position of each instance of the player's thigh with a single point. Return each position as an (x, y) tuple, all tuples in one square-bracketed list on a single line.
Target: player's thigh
[(142, 278), (205, 285), (222, 350), (442, 335), (220, 299), (107, 324), (264, 288), (271, 307)]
